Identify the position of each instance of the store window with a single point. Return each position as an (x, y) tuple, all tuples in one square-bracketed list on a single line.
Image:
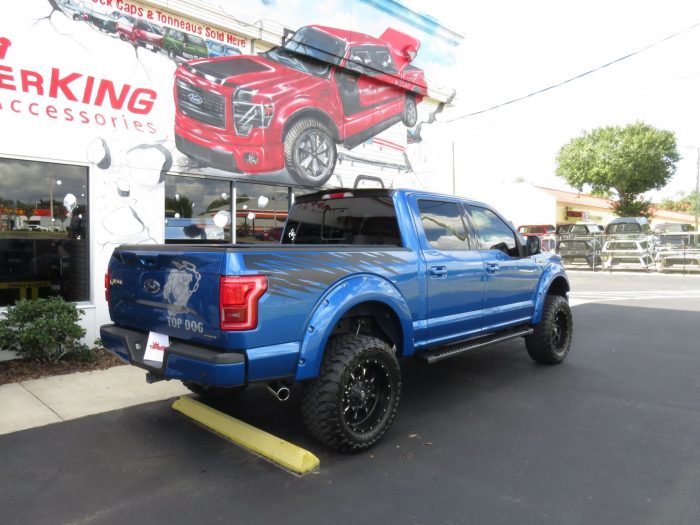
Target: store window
[(44, 248), (261, 212), (197, 210)]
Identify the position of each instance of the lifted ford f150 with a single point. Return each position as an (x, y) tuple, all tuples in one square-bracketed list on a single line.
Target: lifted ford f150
[(362, 279)]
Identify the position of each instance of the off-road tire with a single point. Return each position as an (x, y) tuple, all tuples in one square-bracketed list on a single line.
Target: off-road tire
[(409, 115), (550, 342), (331, 403), (309, 152), (212, 392)]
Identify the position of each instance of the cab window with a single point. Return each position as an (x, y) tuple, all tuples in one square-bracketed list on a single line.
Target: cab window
[(443, 225), (492, 232)]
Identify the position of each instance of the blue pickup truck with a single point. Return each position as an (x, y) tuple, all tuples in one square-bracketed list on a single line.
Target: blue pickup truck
[(361, 279)]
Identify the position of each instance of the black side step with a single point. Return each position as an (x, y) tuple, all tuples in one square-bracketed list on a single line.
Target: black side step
[(444, 352)]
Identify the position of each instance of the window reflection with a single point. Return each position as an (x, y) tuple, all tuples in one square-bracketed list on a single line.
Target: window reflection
[(261, 212), (43, 231), (197, 210)]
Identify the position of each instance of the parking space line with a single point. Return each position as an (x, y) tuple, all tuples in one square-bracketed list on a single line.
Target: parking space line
[(281, 452)]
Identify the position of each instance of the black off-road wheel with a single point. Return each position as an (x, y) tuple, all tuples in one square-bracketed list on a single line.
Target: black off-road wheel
[(352, 403), (551, 340), (212, 392), (309, 152), (409, 116)]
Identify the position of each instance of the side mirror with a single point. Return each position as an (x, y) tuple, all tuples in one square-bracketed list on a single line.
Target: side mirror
[(533, 245)]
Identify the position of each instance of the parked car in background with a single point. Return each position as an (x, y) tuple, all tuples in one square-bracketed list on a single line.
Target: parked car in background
[(587, 228), (537, 229), (217, 49), (628, 226), (627, 252), (575, 249), (544, 231), (179, 45), (678, 250), (673, 227)]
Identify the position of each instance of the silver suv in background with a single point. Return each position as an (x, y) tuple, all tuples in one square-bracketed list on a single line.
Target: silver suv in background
[(629, 243), (678, 251)]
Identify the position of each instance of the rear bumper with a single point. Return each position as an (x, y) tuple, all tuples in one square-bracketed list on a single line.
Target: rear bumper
[(181, 361), (202, 365)]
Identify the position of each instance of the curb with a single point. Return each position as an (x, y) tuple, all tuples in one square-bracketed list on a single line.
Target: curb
[(277, 450)]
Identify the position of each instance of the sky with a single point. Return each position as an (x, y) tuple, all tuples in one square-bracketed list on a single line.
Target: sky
[(512, 48)]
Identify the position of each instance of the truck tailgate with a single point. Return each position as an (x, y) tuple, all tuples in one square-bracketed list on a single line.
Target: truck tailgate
[(173, 291)]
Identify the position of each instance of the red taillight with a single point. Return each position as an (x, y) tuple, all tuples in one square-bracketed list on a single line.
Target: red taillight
[(238, 301), (107, 287)]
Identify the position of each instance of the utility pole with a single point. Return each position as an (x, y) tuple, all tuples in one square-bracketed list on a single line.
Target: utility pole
[(697, 190)]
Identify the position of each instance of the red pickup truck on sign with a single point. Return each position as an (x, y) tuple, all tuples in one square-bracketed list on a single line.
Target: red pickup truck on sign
[(290, 106)]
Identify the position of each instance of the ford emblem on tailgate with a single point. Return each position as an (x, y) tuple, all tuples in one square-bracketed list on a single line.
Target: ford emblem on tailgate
[(195, 98), (151, 286)]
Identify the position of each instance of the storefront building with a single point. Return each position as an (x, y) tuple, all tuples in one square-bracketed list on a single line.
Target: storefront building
[(199, 121)]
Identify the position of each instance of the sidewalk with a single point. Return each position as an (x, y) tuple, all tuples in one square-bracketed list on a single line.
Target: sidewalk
[(54, 399)]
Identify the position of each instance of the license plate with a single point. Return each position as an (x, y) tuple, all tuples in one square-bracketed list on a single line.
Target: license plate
[(155, 347), (149, 47)]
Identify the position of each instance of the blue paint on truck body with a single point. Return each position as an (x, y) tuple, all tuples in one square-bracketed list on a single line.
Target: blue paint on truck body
[(424, 291)]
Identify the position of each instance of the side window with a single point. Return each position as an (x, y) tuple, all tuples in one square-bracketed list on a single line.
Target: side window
[(443, 226), (382, 61), (493, 233), (359, 61)]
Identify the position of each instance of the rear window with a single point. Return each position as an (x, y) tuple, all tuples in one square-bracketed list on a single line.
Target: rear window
[(624, 227), (356, 220)]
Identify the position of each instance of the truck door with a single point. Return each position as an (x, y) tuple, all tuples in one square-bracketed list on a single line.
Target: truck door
[(455, 271), (357, 87), (511, 280)]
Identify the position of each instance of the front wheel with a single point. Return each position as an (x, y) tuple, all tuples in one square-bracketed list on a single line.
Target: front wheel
[(309, 152), (352, 403), (551, 340)]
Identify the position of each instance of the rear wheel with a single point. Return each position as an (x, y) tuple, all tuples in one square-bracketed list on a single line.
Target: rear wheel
[(352, 403), (551, 340), (409, 116)]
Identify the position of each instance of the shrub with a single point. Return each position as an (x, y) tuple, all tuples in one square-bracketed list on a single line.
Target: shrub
[(44, 330)]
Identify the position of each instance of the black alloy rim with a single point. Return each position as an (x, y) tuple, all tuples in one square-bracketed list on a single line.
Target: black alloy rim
[(366, 396), (561, 330)]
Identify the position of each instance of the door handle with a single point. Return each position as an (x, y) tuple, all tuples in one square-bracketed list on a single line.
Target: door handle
[(492, 267), (438, 272)]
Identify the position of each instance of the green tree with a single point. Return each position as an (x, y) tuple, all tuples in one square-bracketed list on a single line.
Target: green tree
[(181, 205), (622, 163), (685, 202)]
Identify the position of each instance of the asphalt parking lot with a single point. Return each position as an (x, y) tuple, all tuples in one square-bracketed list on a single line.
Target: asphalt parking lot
[(610, 436)]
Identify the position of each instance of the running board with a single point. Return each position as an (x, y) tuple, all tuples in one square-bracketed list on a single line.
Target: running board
[(445, 352)]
